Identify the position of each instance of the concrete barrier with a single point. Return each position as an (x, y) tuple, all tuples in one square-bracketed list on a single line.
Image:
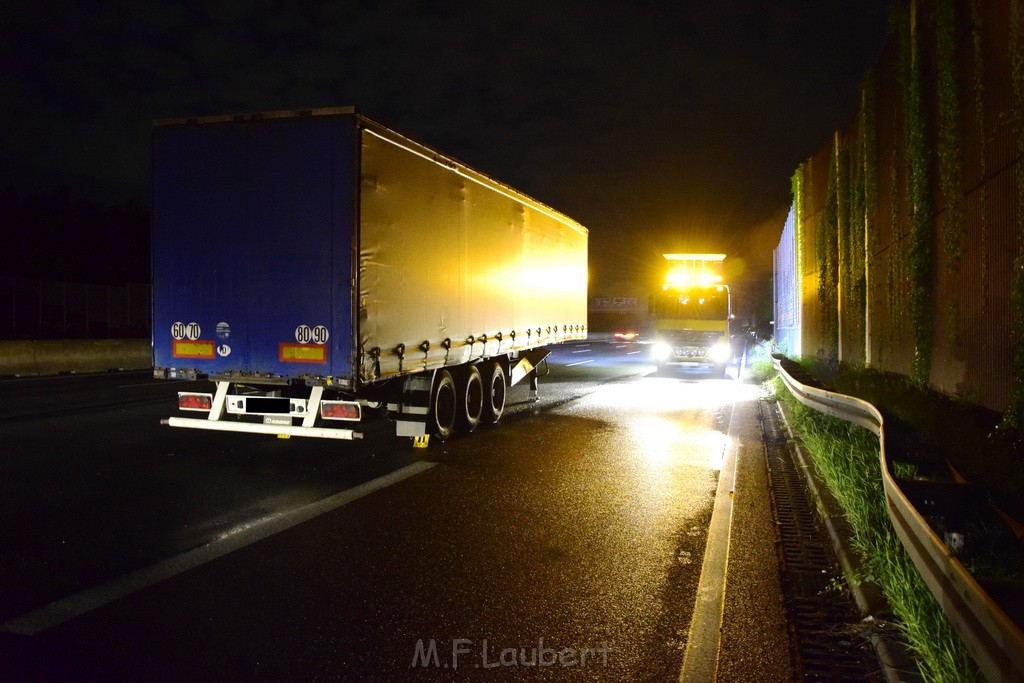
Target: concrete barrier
[(54, 356)]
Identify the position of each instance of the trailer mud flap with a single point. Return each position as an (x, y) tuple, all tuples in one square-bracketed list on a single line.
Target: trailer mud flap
[(415, 406)]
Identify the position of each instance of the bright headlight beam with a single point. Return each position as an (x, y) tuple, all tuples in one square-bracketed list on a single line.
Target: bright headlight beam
[(720, 352), (661, 350)]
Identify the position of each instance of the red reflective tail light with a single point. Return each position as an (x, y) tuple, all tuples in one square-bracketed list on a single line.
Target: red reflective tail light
[(190, 401), (340, 410)]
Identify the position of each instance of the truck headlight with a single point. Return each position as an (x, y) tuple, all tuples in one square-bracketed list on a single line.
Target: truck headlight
[(661, 351), (720, 352)]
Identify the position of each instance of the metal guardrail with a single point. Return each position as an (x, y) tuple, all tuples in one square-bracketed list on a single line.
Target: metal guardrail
[(995, 642)]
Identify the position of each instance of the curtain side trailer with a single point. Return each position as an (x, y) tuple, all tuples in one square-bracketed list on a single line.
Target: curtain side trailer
[(315, 265)]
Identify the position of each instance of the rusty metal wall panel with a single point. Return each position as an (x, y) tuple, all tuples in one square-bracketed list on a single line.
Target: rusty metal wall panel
[(851, 248), (971, 298), (980, 297), (976, 309), (948, 353), (888, 133), (973, 116), (962, 58), (952, 281), (818, 187), (810, 310), (972, 356), (992, 368), (1000, 148), (891, 335), (812, 315)]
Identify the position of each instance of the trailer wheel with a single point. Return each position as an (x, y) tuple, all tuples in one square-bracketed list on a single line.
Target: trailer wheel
[(443, 406), (470, 399), (495, 387)]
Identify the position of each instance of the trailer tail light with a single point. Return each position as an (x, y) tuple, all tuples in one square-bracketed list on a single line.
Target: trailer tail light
[(340, 410), (192, 401)]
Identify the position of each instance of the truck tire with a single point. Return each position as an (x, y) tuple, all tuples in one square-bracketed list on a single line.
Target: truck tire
[(495, 388), (443, 406), (469, 399)]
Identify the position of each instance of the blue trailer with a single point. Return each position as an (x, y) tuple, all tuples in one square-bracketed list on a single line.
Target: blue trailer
[(313, 264)]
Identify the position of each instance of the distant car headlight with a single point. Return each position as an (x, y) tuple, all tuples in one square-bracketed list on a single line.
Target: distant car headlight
[(720, 352), (661, 351)]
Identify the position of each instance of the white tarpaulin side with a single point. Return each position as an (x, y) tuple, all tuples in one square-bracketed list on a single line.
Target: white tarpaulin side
[(448, 257)]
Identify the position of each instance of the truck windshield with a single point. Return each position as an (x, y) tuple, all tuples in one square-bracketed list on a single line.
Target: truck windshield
[(703, 304)]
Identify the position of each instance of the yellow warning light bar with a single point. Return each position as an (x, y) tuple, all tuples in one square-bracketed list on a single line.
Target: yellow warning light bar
[(689, 270), (694, 257), (682, 277)]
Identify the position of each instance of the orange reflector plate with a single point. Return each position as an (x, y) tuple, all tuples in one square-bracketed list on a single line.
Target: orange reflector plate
[(302, 353), (187, 348)]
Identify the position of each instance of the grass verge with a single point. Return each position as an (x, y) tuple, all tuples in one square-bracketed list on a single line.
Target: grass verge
[(847, 459), (761, 370), (949, 430)]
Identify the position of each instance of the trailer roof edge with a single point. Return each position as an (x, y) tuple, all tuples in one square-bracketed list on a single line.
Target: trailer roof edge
[(385, 132)]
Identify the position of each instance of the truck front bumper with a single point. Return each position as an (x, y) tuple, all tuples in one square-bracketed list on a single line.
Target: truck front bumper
[(716, 356)]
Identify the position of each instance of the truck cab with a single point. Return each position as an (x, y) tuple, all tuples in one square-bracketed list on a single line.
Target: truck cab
[(692, 314)]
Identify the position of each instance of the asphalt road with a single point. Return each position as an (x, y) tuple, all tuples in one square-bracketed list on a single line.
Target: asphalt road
[(566, 542)]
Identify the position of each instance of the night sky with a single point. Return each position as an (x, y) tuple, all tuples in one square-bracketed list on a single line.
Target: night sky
[(661, 126)]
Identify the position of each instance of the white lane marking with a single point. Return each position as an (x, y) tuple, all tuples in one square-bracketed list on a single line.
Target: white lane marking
[(579, 362), (583, 351), (700, 661), (92, 598), (630, 353)]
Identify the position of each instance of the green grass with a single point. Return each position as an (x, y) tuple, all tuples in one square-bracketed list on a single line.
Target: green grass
[(761, 371), (951, 430), (847, 458)]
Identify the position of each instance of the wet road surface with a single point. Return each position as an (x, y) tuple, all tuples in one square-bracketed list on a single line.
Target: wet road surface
[(566, 542)]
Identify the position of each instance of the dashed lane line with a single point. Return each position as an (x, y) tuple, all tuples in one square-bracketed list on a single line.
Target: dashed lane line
[(92, 598)]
